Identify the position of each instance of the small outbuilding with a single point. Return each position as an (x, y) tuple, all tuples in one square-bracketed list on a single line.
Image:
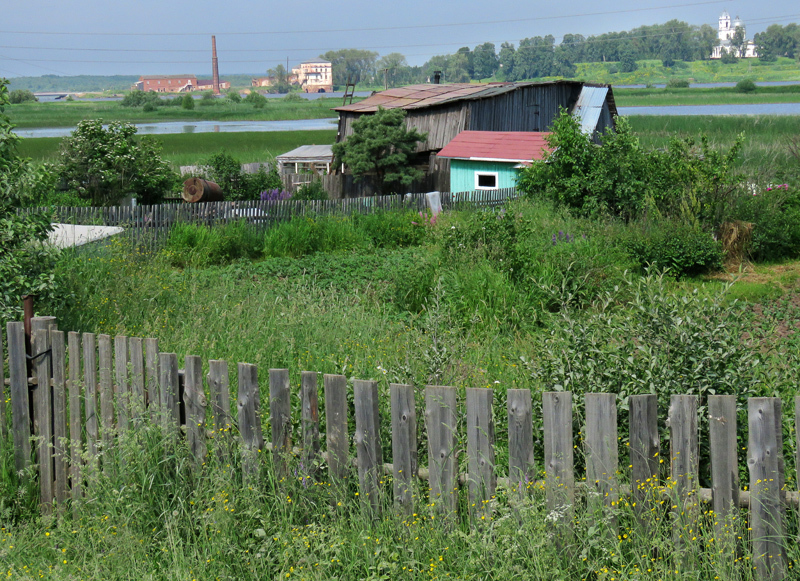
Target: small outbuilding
[(316, 159), (491, 160)]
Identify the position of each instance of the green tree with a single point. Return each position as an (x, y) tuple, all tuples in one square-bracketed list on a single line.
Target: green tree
[(106, 164), (485, 61), (25, 264), (358, 65), (20, 96), (279, 80), (739, 42), (381, 145), (187, 102)]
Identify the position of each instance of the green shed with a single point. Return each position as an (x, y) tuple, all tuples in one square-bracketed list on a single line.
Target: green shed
[(490, 160)]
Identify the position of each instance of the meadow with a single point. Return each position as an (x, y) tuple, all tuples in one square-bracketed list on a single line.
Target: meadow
[(656, 97)]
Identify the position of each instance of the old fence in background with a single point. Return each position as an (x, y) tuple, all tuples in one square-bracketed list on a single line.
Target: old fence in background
[(99, 387), (149, 226)]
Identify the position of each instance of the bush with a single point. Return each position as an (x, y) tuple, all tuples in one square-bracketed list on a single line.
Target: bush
[(141, 99), (678, 84), (187, 102), (207, 99), (148, 108), (234, 96), (311, 191), (226, 170), (295, 97), (683, 250), (775, 215), (20, 96), (745, 86), (256, 99)]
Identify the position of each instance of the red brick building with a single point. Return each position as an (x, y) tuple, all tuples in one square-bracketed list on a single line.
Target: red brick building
[(167, 83)]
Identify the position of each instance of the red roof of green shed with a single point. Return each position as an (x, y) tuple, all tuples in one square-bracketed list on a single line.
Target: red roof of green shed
[(511, 146)]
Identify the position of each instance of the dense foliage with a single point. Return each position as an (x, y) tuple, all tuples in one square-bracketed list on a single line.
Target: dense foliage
[(105, 165), (226, 171), (382, 146)]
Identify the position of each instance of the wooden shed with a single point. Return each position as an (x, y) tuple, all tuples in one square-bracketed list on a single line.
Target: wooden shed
[(444, 111), (491, 160)]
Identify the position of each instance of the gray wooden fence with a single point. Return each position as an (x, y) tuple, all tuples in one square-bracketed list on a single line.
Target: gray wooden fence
[(107, 386), (149, 226)]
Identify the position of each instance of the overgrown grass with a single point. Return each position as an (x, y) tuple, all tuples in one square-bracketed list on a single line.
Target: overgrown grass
[(703, 96)]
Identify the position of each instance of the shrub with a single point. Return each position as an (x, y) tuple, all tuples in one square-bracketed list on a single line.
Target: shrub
[(745, 86), (682, 249), (261, 181), (207, 99), (187, 102), (256, 99), (234, 96), (20, 96), (311, 191), (775, 215), (148, 108), (678, 84), (295, 97), (141, 99)]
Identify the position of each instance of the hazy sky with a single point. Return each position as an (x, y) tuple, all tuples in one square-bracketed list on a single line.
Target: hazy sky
[(105, 37)]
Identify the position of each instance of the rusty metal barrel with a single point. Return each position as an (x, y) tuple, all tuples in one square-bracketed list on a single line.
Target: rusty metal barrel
[(200, 190)]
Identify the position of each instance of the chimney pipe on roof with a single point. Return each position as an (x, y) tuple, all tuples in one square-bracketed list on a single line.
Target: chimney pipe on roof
[(437, 77), (214, 65)]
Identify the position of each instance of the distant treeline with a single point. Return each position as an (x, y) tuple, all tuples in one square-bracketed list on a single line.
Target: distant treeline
[(534, 57)]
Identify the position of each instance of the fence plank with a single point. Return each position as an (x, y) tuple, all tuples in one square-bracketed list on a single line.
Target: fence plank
[(481, 478), (137, 408), (441, 425), (220, 394), (249, 408), (602, 458), (168, 383), (645, 450), (684, 468), (336, 424), (42, 417), (59, 404), (309, 401), (368, 444), (520, 439), (106, 395), (75, 438), (724, 468), (90, 394), (766, 515), (20, 398), (152, 376), (404, 446), (558, 459), (122, 385), (195, 399), (280, 408)]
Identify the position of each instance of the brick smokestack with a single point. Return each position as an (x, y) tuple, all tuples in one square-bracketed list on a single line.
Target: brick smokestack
[(214, 65)]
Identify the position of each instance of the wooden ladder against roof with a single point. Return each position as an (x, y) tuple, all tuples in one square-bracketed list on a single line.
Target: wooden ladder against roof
[(349, 89)]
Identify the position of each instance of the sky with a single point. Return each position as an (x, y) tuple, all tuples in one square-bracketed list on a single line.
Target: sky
[(107, 37)]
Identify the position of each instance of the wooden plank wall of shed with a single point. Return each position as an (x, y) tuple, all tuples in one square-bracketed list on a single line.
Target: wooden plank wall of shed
[(531, 108)]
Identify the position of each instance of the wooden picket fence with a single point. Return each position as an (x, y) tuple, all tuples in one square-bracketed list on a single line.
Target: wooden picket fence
[(149, 226), (101, 387)]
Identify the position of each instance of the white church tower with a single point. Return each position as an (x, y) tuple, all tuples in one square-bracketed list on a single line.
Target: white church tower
[(725, 34)]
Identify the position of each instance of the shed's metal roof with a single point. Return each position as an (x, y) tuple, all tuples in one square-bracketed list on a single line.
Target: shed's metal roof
[(589, 106), (308, 153), (417, 96), (505, 146)]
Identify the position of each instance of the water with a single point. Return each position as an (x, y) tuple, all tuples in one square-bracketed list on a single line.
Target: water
[(44, 98), (747, 109), (712, 85), (171, 127)]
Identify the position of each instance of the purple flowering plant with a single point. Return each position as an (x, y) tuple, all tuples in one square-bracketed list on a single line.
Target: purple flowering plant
[(275, 195)]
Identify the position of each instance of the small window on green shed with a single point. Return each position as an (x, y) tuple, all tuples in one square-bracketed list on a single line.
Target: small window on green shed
[(486, 180)]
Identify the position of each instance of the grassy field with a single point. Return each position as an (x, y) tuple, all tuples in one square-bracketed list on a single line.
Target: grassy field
[(191, 148), (653, 71), (66, 114), (702, 96)]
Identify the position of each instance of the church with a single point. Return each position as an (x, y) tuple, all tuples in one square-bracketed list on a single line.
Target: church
[(726, 31)]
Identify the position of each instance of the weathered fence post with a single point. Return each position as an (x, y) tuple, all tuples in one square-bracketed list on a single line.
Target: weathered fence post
[(90, 390), (368, 444), (336, 425), (154, 402), (404, 445), (195, 399), (59, 403), (645, 452), (121, 385), (168, 381), (558, 461), (684, 468), (602, 459), (219, 390), (280, 408), (441, 423), (75, 438), (18, 390), (248, 405), (724, 469), (766, 513), (136, 402), (481, 477), (309, 400), (106, 397), (42, 416), (520, 439)]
